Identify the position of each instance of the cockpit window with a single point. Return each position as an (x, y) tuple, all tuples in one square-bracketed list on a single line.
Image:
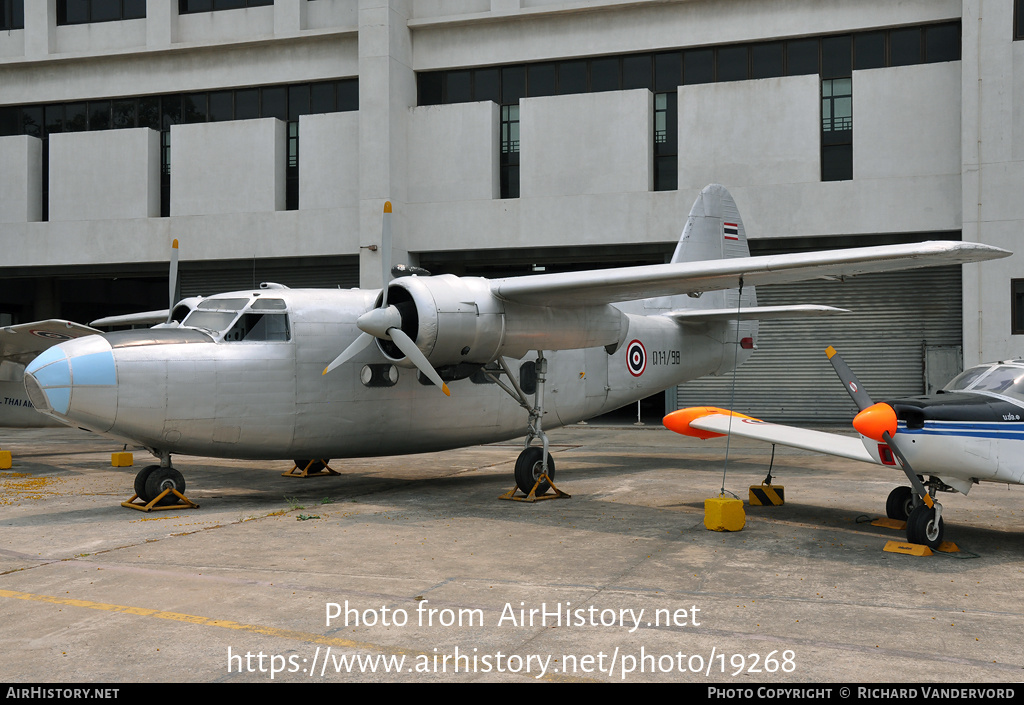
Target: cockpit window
[(223, 304), (268, 305), (259, 327), (213, 321), (1005, 380)]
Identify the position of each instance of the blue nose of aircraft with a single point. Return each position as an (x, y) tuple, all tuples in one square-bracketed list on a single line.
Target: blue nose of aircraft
[(76, 382)]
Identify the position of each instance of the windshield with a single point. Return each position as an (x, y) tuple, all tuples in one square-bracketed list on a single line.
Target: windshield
[(1005, 380), (213, 321)]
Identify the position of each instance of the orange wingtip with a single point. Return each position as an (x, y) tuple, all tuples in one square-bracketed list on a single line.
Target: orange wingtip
[(679, 421), (875, 420)]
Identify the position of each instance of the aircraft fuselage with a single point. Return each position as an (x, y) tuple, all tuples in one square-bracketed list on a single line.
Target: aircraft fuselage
[(181, 390)]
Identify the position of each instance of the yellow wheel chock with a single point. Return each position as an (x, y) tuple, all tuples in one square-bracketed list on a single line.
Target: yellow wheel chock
[(185, 502), (313, 468), (533, 497)]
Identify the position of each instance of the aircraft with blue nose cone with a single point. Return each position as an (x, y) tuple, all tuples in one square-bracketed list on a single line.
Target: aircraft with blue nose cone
[(279, 373)]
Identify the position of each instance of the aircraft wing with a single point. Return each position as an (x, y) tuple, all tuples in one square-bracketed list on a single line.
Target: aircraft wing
[(606, 286), (144, 318), (23, 342), (709, 422)]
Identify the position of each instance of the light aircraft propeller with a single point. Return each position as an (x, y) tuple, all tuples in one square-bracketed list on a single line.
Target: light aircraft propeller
[(385, 322), (878, 422), (172, 280)]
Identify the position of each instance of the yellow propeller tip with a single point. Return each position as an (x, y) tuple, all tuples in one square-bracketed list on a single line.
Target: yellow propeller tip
[(387, 206), (174, 244), (830, 351), (444, 388), (324, 372)]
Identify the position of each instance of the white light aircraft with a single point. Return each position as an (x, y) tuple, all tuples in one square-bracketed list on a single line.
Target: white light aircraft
[(243, 376), (968, 432)]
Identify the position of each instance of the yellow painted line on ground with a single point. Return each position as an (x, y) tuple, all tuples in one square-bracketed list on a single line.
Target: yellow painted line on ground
[(195, 619), (228, 624)]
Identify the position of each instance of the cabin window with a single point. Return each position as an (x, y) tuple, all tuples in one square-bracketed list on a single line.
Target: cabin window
[(259, 327)]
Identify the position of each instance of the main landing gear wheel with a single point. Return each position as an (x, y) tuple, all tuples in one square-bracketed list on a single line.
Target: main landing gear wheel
[(140, 482), (529, 466), (164, 479), (900, 503), (922, 527)]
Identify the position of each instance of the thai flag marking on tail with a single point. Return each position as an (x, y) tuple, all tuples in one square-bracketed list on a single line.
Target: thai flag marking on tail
[(732, 231)]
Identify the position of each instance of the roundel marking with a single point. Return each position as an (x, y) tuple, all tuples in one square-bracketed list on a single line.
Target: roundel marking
[(636, 358), (853, 386), (52, 335)]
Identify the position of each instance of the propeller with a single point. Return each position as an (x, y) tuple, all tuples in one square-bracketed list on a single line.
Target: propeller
[(172, 280), (876, 421), (385, 322)]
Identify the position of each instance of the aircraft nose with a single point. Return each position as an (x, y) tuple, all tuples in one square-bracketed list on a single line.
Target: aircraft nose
[(75, 382)]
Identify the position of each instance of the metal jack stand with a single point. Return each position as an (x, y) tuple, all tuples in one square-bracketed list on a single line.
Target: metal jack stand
[(312, 468), (185, 502)]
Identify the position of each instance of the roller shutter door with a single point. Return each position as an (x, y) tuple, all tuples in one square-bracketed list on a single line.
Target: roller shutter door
[(895, 317)]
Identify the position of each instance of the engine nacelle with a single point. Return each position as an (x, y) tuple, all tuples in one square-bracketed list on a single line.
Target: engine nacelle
[(456, 320)]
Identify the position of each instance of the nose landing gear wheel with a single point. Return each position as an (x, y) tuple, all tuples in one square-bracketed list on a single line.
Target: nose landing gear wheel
[(922, 528)]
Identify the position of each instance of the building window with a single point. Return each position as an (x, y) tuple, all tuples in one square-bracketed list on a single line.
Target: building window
[(86, 11), (509, 164), (1018, 19), (160, 112), (832, 57), (666, 142), (836, 129), (189, 6), (12, 14), (1017, 306)]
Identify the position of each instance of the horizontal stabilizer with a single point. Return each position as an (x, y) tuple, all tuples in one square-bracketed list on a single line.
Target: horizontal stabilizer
[(761, 313), (23, 342), (709, 422)]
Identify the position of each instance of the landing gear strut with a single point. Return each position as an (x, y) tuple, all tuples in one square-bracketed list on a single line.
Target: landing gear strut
[(159, 487), (535, 468)]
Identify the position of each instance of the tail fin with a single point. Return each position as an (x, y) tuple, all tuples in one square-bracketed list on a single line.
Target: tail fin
[(714, 230)]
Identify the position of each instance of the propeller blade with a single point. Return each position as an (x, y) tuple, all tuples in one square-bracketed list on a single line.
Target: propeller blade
[(172, 279), (385, 251), (849, 380), (405, 344), (876, 421), (357, 346)]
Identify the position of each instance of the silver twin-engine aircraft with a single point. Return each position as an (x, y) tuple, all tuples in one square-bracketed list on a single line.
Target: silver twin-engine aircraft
[(257, 373)]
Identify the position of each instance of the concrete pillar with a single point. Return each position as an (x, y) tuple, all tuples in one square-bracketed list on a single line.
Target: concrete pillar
[(289, 17), (40, 28), (161, 23), (387, 90)]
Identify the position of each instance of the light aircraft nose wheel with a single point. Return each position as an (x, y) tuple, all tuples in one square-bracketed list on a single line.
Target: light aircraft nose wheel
[(529, 466), (922, 528), (162, 479), (900, 503)]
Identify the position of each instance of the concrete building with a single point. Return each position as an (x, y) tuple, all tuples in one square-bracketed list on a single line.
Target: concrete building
[(513, 135)]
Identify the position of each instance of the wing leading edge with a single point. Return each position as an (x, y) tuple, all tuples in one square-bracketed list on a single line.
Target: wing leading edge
[(606, 286), (710, 422)]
